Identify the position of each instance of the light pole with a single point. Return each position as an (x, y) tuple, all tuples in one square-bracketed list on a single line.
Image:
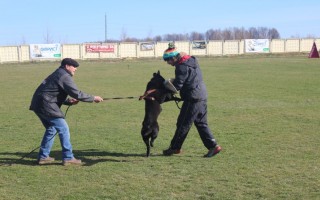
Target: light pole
[(105, 27)]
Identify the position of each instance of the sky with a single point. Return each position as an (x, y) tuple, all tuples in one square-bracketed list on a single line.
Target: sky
[(74, 21)]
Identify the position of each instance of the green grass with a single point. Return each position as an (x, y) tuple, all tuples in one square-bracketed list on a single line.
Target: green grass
[(264, 112)]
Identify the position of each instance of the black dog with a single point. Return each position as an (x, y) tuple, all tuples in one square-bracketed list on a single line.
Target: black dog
[(155, 94)]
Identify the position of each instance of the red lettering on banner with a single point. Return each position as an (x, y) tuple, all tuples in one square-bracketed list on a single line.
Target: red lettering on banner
[(100, 48)]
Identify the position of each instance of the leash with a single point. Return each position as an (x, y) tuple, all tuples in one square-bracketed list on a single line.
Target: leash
[(120, 98), (177, 101), (146, 95), (65, 115), (26, 155), (148, 92)]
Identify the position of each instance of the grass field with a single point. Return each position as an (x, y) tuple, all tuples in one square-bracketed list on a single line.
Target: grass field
[(264, 112)]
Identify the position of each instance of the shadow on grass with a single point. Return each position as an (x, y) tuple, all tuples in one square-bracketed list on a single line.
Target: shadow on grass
[(89, 157)]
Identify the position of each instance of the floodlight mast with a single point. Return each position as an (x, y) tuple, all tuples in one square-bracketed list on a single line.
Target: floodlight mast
[(105, 28)]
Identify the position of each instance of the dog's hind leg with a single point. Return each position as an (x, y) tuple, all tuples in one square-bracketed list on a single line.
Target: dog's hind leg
[(146, 141), (148, 151), (152, 140), (145, 133), (154, 134)]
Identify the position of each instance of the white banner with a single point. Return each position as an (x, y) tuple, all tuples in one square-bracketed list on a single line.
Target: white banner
[(147, 46), (38, 51), (257, 46), (199, 45)]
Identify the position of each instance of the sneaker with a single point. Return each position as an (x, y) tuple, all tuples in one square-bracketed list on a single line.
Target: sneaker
[(73, 161), (170, 152), (213, 151), (47, 160)]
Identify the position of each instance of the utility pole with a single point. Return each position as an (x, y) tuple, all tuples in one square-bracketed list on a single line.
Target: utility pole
[(105, 27)]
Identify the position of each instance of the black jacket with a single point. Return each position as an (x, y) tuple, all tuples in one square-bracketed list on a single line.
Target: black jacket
[(53, 92), (188, 79)]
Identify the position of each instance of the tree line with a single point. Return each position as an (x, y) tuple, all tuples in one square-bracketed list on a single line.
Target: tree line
[(233, 33)]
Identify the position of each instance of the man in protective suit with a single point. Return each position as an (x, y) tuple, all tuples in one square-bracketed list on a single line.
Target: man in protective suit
[(188, 80)]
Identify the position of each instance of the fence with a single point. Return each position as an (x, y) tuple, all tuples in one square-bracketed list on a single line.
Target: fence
[(140, 50)]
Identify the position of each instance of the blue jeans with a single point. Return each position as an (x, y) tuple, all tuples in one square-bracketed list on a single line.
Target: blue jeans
[(54, 125)]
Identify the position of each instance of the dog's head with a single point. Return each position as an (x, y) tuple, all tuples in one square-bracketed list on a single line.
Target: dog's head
[(156, 82), (156, 90)]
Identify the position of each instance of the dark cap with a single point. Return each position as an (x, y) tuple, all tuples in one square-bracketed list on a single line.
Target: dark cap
[(69, 61)]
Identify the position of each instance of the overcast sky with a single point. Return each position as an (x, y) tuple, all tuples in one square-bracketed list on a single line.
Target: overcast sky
[(74, 21)]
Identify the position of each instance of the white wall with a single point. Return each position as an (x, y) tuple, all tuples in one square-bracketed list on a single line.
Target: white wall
[(133, 49)]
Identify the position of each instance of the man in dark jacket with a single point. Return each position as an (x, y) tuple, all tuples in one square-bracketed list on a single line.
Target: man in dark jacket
[(188, 80), (46, 103)]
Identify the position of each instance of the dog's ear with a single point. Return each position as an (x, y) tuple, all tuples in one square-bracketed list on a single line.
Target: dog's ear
[(158, 72), (154, 74)]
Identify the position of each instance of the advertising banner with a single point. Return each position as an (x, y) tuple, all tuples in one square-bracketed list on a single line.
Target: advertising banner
[(257, 46), (199, 45), (147, 46), (93, 48), (40, 51)]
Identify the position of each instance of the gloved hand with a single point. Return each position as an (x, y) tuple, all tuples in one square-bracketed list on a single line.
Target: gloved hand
[(169, 86)]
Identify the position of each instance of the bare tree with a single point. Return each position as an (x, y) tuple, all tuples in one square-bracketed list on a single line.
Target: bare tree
[(295, 36), (47, 37), (233, 33), (239, 33), (147, 39), (262, 32), (131, 39), (311, 36), (123, 35), (214, 34), (253, 33), (23, 40), (157, 38), (209, 34), (175, 37), (273, 34), (196, 36), (227, 34), (236, 33)]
